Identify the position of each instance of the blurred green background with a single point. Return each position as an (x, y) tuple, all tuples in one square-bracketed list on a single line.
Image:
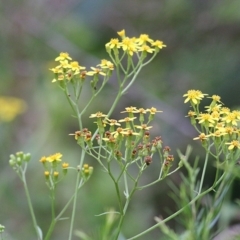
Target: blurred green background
[(203, 46)]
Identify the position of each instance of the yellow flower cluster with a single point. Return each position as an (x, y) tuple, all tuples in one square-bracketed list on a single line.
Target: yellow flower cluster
[(70, 70), (143, 43), (10, 107), (217, 122), (51, 165)]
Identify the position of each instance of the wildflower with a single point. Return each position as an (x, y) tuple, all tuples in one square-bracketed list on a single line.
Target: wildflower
[(47, 173), (105, 64), (127, 119), (64, 64), (225, 110), (95, 71), (98, 115), (76, 67), (143, 39), (54, 158), (231, 118), (216, 98), (148, 160), (202, 137), (65, 165), (128, 45), (143, 127), (233, 145), (129, 132), (10, 107), (43, 159), (114, 43), (55, 175), (113, 122), (152, 110), (121, 33), (206, 118), (191, 114), (63, 56), (146, 48), (158, 44), (194, 96), (130, 110)]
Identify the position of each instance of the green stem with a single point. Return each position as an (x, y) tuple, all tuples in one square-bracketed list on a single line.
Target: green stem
[(30, 205), (75, 198)]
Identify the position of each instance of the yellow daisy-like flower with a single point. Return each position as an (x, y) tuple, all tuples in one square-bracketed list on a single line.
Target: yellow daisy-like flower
[(105, 64), (75, 66), (114, 43), (129, 132), (65, 165), (127, 119), (231, 118), (98, 115), (54, 158), (201, 137), (113, 122), (43, 159), (143, 127), (121, 33), (158, 44), (143, 39), (205, 118), (130, 110), (96, 71), (194, 96), (152, 110), (191, 114), (10, 107), (146, 48), (233, 145), (63, 56)]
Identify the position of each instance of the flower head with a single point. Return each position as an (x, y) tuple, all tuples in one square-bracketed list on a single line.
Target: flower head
[(194, 96)]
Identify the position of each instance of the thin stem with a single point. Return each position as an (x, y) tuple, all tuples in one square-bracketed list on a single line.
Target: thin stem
[(75, 198), (30, 204)]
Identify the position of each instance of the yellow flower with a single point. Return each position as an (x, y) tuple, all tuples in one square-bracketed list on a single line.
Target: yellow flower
[(75, 66), (113, 122), (201, 137), (65, 165), (129, 45), (143, 127), (129, 133), (105, 64), (63, 56), (43, 159), (152, 110), (233, 145), (54, 158), (10, 107), (194, 96), (191, 114), (231, 118), (95, 71), (114, 43), (98, 115), (127, 119), (206, 118), (146, 48), (121, 33), (143, 39), (158, 44), (130, 110), (216, 98)]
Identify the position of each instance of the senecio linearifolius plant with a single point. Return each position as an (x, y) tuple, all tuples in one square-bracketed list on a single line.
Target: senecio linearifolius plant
[(127, 144)]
